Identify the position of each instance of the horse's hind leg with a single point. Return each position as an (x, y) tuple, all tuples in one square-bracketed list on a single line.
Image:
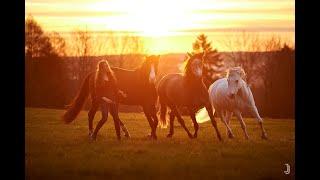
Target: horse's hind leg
[(223, 119), (171, 125), (91, 114), (194, 121), (124, 129), (104, 112), (181, 121), (243, 125), (257, 116)]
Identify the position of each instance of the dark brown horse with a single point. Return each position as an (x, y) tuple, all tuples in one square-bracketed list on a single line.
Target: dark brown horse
[(185, 90), (139, 87)]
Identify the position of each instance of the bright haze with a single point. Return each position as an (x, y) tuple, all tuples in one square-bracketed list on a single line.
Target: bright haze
[(169, 26)]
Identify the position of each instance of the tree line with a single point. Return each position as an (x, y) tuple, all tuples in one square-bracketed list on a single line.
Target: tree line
[(55, 69)]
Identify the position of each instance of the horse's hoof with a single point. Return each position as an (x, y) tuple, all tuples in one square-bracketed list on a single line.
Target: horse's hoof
[(264, 136), (190, 136), (195, 136), (127, 136), (231, 136), (154, 137), (169, 135), (93, 138)]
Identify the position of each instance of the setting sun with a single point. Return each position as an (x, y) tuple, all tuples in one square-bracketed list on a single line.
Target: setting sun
[(169, 25)]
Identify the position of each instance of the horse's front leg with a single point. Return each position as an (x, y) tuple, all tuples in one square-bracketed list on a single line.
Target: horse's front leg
[(213, 121), (124, 129), (223, 119), (194, 121), (228, 117), (243, 125), (116, 119), (147, 113)]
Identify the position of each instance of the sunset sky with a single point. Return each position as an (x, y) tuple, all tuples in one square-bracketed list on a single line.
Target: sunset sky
[(168, 25)]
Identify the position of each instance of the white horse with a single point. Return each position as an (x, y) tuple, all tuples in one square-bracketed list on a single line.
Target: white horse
[(232, 95)]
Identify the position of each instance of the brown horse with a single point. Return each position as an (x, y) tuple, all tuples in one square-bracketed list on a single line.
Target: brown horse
[(139, 87), (102, 86), (185, 90)]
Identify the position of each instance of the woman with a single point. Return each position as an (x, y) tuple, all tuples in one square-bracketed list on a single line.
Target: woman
[(107, 94)]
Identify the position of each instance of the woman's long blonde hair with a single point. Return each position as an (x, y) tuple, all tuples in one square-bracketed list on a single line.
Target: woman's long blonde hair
[(103, 68)]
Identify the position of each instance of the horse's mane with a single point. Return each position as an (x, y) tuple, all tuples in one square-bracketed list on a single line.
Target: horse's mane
[(238, 70), (186, 65)]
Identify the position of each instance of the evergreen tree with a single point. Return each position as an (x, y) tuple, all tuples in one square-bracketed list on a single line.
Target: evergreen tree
[(213, 63)]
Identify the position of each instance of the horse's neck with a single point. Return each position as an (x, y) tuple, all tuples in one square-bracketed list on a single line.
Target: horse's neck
[(195, 85)]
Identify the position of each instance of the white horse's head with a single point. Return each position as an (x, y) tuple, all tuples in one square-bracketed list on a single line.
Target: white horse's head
[(235, 77)]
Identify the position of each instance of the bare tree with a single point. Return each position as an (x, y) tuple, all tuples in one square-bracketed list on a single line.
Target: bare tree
[(58, 44), (37, 43), (82, 46), (246, 52), (129, 49)]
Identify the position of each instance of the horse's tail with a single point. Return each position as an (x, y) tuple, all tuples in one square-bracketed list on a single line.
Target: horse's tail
[(163, 111), (203, 116), (76, 105)]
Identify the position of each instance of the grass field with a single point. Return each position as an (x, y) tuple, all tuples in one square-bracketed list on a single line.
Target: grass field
[(55, 150)]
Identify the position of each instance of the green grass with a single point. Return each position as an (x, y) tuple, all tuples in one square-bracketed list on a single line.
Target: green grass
[(55, 150)]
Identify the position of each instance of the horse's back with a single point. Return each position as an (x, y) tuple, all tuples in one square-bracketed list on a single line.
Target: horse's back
[(131, 82), (218, 93), (170, 87)]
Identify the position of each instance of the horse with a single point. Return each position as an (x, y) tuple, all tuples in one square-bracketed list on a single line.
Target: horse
[(233, 95), (185, 90), (139, 87), (101, 85)]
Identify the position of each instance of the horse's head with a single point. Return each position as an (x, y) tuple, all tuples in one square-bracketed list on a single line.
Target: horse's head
[(211, 70), (151, 67), (195, 64), (235, 77)]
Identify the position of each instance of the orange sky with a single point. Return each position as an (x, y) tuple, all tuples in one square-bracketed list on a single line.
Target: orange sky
[(168, 25)]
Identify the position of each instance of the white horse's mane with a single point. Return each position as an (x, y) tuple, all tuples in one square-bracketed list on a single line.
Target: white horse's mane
[(238, 70)]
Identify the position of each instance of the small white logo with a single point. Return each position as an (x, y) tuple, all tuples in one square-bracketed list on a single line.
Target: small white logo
[(287, 171)]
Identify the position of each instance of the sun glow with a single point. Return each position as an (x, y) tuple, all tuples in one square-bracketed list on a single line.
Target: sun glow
[(148, 17), (167, 25)]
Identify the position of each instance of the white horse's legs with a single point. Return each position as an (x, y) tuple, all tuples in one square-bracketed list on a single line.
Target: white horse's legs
[(223, 119), (243, 125), (260, 121), (228, 117)]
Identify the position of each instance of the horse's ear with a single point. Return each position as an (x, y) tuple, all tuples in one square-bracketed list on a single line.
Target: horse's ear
[(189, 55), (243, 74)]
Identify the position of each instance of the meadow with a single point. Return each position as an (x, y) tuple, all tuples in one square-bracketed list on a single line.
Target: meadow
[(54, 150)]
